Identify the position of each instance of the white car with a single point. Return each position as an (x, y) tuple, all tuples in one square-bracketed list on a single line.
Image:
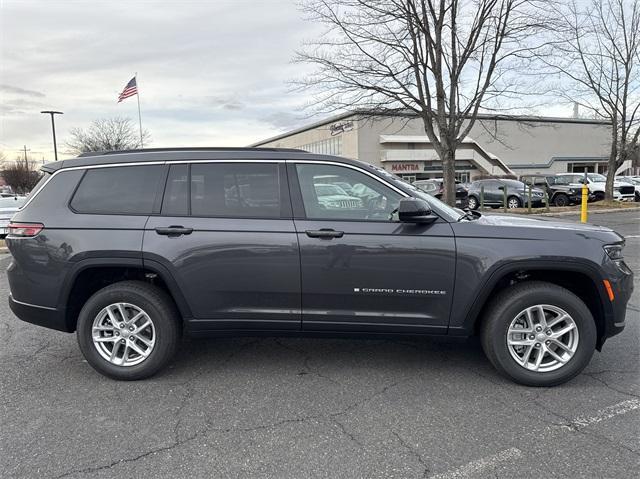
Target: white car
[(632, 180), (596, 183), (8, 206)]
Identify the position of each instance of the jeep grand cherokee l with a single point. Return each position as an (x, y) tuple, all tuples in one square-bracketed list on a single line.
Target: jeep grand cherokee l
[(131, 249)]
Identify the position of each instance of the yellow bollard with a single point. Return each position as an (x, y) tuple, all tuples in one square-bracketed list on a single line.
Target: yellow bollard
[(585, 199)]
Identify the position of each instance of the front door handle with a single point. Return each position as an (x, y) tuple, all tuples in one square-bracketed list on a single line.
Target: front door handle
[(174, 231), (324, 233)]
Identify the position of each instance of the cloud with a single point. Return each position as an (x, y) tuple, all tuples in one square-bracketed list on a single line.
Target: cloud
[(209, 73), (20, 91)]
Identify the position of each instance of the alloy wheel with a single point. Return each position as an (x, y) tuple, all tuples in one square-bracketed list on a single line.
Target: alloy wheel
[(542, 338), (123, 334)]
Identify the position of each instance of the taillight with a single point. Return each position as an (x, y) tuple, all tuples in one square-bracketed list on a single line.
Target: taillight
[(25, 230)]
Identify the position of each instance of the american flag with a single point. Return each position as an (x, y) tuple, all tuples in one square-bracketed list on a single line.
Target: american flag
[(129, 90)]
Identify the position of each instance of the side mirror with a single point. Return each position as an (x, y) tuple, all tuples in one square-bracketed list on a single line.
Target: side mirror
[(501, 188), (415, 210)]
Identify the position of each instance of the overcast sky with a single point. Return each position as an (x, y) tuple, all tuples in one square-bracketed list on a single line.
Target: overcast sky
[(210, 72)]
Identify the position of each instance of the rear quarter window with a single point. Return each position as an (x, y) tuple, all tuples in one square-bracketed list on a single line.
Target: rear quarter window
[(118, 190)]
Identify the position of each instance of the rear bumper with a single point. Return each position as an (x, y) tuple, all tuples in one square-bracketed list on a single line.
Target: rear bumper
[(47, 317)]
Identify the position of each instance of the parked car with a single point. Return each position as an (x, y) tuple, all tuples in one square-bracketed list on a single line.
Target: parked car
[(114, 247), (596, 184), (435, 187), (517, 194), (632, 180), (558, 194), (9, 205), (334, 197)]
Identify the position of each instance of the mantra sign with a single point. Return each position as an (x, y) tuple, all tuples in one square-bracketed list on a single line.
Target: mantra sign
[(405, 167)]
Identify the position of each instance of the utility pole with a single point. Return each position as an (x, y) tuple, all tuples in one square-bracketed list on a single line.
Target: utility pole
[(53, 128), (26, 160)]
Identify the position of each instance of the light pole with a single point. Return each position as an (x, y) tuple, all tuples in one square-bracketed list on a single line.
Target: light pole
[(53, 127)]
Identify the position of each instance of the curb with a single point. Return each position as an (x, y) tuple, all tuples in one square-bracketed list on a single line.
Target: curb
[(569, 213)]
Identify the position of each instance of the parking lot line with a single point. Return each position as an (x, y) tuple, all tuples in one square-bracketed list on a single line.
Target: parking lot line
[(475, 467), (604, 414)]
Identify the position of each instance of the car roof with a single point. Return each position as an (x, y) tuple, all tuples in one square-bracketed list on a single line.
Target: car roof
[(151, 155)]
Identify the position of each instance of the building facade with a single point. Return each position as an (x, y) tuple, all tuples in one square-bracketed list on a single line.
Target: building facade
[(497, 145)]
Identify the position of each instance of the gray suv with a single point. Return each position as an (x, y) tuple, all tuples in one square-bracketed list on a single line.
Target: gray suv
[(132, 249)]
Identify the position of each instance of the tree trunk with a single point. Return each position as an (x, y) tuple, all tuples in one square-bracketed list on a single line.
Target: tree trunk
[(448, 158), (611, 164)]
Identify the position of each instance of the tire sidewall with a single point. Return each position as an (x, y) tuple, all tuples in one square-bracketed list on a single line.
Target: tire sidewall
[(474, 199), (563, 299), (163, 330)]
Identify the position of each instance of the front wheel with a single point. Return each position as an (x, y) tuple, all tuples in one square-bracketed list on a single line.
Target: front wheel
[(128, 330), (513, 202), (538, 334), (561, 200)]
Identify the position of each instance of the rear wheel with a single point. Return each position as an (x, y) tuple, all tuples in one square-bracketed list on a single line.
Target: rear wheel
[(538, 334), (561, 200), (128, 330), (473, 203)]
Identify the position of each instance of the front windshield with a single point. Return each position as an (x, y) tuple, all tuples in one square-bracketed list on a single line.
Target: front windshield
[(596, 178), (435, 203)]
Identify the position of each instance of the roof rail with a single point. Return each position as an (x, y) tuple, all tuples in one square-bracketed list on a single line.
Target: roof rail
[(158, 150)]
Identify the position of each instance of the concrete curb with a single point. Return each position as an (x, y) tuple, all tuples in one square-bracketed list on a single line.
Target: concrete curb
[(577, 212)]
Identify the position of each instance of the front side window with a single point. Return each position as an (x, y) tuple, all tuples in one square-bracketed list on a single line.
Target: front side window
[(250, 190), (118, 190), (338, 192)]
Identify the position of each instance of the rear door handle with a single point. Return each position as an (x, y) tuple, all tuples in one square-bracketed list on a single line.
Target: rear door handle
[(324, 233), (174, 231)]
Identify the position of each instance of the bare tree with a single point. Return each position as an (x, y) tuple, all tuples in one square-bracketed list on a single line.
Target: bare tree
[(444, 61), (596, 47), (106, 134), (21, 175)]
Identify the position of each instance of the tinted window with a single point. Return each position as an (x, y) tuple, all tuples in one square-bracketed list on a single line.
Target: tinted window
[(367, 198), (124, 190), (176, 192), (235, 189)]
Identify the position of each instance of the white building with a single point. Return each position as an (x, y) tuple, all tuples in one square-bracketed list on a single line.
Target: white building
[(496, 145)]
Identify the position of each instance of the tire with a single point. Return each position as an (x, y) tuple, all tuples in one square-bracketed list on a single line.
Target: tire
[(599, 195), (561, 200), (513, 202), (158, 341), (508, 307), (473, 203)]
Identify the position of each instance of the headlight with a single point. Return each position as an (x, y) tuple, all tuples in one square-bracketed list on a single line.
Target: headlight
[(614, 251)]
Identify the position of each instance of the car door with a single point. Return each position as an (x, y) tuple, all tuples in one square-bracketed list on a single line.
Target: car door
[(361, 270), (226, 236)]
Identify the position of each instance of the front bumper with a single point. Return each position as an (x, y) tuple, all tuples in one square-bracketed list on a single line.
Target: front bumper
[(47, 317), (622, 286)]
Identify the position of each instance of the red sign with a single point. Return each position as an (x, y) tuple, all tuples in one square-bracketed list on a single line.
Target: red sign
[(405, 167)]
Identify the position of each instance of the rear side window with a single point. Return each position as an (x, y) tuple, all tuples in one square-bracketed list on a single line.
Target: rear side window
[(235, 189), (118, 190)]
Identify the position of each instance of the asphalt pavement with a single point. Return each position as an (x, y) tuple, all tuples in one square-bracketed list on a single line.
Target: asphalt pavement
[(294, 408)]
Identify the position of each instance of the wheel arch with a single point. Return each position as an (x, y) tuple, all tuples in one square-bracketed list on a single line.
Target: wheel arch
[(579, 277), (88, 276)]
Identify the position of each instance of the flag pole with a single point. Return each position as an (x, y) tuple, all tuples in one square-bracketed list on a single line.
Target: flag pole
[(139, 115)]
